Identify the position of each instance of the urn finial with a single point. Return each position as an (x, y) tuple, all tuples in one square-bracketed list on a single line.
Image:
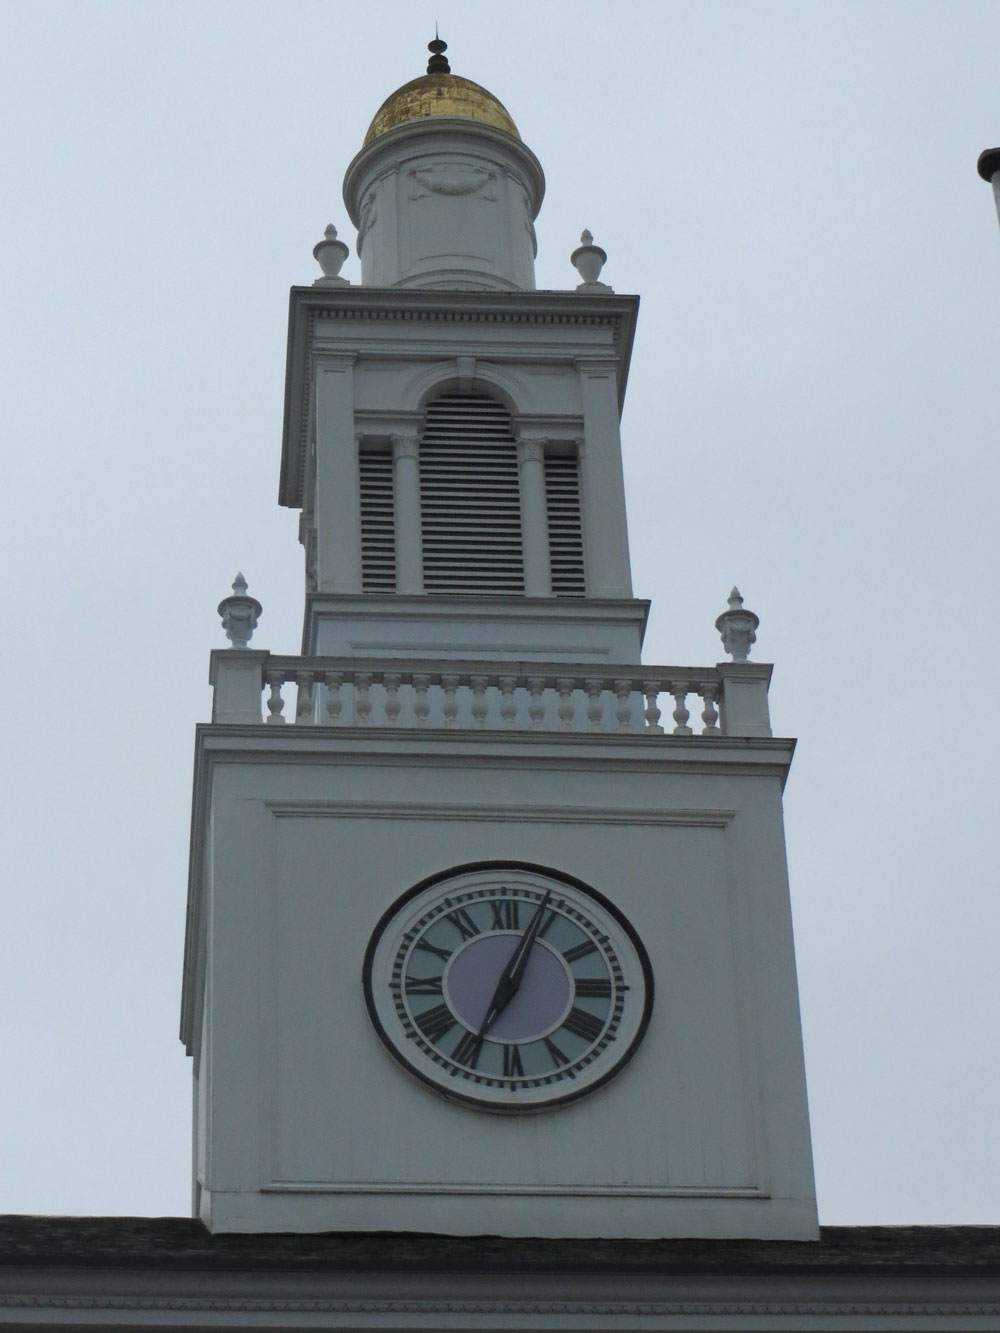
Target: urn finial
[(588, 259), (737, 627), (240, 614), (330, 254)]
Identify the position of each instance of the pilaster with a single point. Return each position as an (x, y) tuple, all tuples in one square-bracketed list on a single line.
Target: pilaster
[(338, 501), (602, 482)]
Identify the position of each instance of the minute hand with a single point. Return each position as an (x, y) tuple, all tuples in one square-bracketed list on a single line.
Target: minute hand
[(510, 977)]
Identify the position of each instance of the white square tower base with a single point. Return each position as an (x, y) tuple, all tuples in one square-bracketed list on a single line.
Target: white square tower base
[(303, 1122)]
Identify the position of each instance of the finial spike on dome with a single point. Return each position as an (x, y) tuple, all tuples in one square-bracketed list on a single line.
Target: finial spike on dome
[(438, 63)]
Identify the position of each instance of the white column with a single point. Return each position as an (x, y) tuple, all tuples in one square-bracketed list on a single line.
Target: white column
[(406, 484), (338, 499), (534, 518), (602, 483)]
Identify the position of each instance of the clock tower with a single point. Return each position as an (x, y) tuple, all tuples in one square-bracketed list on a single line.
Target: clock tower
[(488, 921)]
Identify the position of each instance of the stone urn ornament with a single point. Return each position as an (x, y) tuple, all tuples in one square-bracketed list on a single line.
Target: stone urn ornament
[(330, 254), (588, 259), (737, 628), (240, 614)]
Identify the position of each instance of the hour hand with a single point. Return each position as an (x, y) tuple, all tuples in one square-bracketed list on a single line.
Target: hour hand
[(510, 977)]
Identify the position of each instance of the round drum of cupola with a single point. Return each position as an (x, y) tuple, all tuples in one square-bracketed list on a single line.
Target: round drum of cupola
[(444, 194)]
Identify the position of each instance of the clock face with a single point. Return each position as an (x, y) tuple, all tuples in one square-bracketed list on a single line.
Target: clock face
[(508, 986)]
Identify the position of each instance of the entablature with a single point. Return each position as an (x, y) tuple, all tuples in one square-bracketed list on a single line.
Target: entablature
[(555, 328)]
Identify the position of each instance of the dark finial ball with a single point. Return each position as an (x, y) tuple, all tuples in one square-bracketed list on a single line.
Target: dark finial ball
[(438, 63)]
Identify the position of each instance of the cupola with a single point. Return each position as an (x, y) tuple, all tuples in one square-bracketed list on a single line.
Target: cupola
[(444, 194)]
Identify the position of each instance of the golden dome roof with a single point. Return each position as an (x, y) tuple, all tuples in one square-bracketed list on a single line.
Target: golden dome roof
[(439, 95)]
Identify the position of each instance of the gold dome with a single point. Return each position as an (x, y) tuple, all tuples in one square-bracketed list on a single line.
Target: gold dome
[(439, 95)]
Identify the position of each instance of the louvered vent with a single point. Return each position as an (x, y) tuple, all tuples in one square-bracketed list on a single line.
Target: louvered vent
[(562, 500), (378, 527), (470, 500)]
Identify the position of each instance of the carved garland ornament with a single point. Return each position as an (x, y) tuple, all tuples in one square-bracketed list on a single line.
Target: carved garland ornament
[(453, 179)]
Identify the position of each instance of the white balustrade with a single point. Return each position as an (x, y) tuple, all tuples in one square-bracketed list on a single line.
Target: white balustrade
[(274, 679), (339, 692)]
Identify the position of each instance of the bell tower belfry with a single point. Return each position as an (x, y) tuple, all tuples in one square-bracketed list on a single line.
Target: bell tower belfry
[(488, 924), (458, 437)]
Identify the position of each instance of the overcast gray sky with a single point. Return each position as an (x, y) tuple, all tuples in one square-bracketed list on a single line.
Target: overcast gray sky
[(812, 413)]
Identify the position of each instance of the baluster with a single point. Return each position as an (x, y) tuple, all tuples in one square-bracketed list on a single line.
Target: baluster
[(709, 692), (392, 683), (275, 703), (536, 708), (508, 708), (651, 688), (421, 704), (565, 685), (680, 715), (595, 705), (623, 692), (450, 686), (333, 680), (362, 703), (479, 704), (304, 703)]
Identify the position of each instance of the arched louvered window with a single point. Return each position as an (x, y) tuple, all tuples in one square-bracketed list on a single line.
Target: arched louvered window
[(378, 521), (470, 501), (562, 503)]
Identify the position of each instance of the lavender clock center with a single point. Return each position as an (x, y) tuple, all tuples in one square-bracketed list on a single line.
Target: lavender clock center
[(541, 1001)]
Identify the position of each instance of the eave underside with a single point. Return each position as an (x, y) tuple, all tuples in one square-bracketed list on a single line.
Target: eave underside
[(171, 1272)]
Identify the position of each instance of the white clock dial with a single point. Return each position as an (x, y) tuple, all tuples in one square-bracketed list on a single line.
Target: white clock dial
[(507, 986)]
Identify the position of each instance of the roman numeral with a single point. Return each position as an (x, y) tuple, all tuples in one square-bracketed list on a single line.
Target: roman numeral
[(434, 1023), (582, 1024), (506, 914), (443, 954), (580, 951), (547, 923), (468, 1050), (586, 988), (512, 1067), (428, 986), (463, 923), (558, 1057)]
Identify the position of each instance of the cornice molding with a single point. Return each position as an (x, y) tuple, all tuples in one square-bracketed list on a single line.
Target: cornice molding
[(570, 814), (828, 1311), (312, 307)]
